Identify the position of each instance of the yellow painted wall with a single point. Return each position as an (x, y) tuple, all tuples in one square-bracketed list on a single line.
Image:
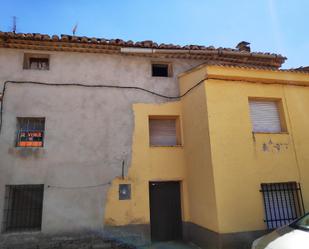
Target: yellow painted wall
[(221, 163), (297, 99), (241, 162), (201, 190), (148, 164)]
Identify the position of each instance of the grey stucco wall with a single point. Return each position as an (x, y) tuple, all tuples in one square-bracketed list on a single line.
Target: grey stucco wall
[(88, 130)]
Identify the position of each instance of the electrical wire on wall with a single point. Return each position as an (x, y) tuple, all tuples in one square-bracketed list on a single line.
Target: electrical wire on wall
[(87, 86), (136, 88), (81, 187)]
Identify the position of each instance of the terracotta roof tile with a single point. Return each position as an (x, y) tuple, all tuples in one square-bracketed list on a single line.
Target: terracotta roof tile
[(302, 69), (55, 37), (267, 59), (146, 44), (293, 70)]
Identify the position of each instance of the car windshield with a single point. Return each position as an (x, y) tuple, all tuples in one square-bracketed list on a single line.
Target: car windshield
[(302, 223)]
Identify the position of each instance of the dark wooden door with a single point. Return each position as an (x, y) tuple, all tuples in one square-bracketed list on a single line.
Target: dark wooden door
[(165, 211)]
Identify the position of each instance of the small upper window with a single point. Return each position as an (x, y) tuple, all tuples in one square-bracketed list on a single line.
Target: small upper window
[(164, 131), (36, 61), (161, 70), (30, 132), (267, 116)]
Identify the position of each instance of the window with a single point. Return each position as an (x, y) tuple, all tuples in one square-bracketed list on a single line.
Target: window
[(23, 207), (161, 70), (36, 61), (30, 132), (283, 203), (267, 116), (164, 131)]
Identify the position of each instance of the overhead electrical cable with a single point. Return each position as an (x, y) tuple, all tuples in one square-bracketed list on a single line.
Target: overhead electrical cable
[(88, 86)]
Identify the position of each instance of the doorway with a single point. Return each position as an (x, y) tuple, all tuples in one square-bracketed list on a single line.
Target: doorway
[(165, 211)]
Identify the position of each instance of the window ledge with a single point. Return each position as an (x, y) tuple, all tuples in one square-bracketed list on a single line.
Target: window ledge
[(20, 232), (167, 77), (166, 146), (24, 152), (33, 69), (272, 133), (29, 147)]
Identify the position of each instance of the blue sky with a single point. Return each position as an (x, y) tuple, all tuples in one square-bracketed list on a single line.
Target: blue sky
[(278, 26)]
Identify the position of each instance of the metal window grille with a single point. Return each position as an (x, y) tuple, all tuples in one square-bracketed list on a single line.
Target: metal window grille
[(160, 70), (38, 63), (283, 203), (23, 208), (30, 132)]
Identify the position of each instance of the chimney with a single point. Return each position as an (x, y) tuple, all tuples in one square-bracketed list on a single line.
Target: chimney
[(243, 46)]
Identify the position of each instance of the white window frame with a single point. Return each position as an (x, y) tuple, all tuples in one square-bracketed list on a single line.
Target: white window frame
[(267, 115)]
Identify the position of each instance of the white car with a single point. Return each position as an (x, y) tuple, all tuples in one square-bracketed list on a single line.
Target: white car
[(293, 236)]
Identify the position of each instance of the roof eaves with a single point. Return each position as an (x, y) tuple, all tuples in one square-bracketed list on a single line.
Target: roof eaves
[(298, 70), (130, 43)]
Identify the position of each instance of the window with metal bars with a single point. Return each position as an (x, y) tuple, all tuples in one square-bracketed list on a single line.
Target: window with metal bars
[(36, 61), (283, 203), (23, 208), (161, 69), (30, 132)]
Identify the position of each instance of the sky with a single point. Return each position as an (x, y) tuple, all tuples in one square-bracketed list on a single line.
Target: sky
[(276, 26)]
